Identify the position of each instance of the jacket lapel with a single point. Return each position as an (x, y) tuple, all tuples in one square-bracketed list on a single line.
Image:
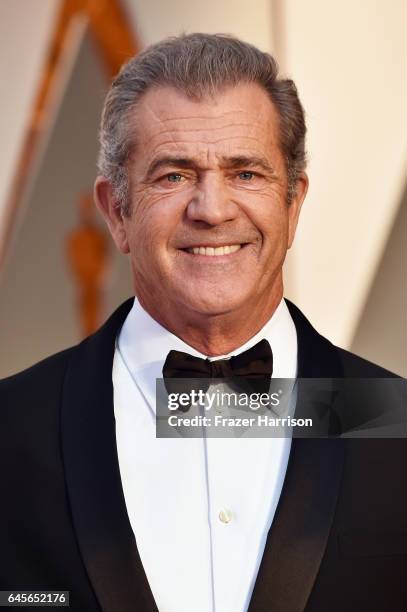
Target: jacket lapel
[(105, 538), (297, 539)]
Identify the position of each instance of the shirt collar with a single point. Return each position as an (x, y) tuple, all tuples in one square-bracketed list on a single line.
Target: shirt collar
[(144, 344)]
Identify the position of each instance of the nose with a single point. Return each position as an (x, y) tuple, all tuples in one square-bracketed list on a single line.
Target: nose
[(211, 202)]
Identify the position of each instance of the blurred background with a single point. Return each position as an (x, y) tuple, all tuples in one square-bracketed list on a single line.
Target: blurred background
[(60, 276)]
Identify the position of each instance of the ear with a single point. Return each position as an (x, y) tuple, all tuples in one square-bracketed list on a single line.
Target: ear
[(110, 211), (294, 208)]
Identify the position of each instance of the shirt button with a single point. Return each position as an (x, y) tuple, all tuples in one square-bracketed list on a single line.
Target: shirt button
[(225, 515)]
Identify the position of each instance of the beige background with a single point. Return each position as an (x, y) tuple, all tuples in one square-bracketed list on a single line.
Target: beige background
[(349, 60)]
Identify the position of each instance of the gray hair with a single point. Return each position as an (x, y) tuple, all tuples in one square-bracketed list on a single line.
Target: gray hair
[(199, 65)]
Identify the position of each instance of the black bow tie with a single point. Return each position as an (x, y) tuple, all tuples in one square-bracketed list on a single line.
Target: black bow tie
[(251, 370)]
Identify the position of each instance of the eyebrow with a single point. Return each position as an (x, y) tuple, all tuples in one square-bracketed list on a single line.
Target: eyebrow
[(169, 162), (230, 163), (247, 161)]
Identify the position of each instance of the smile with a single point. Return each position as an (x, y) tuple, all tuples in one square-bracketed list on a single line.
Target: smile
[(214, 251)]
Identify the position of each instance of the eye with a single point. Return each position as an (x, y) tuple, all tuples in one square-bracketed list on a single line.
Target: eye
[(246, 175), (175, 180), (174, 177)]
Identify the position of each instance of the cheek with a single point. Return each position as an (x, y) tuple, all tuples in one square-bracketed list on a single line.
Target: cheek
[(150, 229), (270, 216)]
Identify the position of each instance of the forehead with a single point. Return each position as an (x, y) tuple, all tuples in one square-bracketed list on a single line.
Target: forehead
[(238, 119)]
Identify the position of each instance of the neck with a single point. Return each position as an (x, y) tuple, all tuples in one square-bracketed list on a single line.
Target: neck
[(218, 334)]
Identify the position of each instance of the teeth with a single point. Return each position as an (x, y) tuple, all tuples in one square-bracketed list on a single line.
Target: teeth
[(211, 251)]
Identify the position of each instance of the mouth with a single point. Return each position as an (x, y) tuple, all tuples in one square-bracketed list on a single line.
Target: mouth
[(214, 251)]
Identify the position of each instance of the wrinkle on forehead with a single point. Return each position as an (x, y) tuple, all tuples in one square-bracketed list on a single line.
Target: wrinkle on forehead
[(169, 105), (225, 137), (183, 127), (240, 118), (187, 143), (200, 150), (199, 117), (180, 129), (164, 104)]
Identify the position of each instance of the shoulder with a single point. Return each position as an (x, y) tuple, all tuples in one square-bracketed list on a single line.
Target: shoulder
[(48, 370), (319, 358), (45, 379), (30, 403), (29, 400), (355, 366)]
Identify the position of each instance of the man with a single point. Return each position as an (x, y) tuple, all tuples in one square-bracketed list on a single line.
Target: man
[(202, 181)]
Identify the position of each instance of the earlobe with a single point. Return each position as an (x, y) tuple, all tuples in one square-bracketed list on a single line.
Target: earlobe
[(121, 237), (110, 210)]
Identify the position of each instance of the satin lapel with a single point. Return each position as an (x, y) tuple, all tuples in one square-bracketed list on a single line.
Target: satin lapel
[(103, 530), (297, 539)]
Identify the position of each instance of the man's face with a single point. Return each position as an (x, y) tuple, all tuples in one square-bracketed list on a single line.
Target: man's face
[(209, 225)]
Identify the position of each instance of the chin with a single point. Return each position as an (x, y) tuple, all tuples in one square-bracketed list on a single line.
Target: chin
[(212, 304)]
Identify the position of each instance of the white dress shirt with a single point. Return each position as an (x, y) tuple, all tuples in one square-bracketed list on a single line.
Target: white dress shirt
[(200, 508)]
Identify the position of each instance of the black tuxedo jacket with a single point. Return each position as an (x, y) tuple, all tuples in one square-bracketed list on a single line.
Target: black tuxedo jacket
[(338, 540)]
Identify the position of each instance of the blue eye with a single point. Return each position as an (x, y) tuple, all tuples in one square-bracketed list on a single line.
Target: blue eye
[(174, 177), (246, 176)]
